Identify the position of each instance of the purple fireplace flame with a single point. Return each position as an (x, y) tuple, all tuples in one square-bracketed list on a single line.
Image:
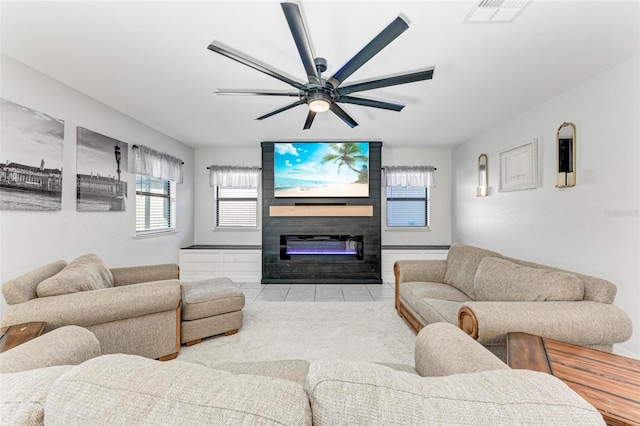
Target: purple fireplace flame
[(321, 251), (321, 245)]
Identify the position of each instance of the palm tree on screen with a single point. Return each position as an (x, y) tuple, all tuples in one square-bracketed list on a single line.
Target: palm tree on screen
[(348, 154)]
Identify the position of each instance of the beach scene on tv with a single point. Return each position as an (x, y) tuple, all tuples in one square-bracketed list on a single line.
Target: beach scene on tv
[(321, 169)]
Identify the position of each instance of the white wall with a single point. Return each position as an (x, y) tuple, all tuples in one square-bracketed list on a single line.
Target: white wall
[(440, 233), (33, 238), (592, 228), (440, 207)]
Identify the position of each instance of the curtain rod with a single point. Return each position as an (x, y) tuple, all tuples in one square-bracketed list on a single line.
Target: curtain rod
[(136, 147)]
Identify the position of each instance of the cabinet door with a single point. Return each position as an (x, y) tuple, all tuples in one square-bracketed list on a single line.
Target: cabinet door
[(243, 266), (200, 264)]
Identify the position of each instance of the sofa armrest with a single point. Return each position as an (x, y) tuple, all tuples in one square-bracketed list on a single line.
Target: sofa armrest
[(580, 323), (443, 349), (86, 308), (417, 270), (69, 345), (420, 270), (142, 274)]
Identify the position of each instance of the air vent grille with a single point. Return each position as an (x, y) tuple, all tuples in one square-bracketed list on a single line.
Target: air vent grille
[(496, 11)]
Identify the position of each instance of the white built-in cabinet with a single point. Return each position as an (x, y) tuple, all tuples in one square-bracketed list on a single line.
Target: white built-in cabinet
[(238, 265), (245, 265)]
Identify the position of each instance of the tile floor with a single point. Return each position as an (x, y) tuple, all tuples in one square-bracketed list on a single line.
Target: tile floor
[(317, 292)]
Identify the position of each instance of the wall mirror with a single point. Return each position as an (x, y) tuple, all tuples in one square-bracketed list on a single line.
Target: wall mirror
[(483, 176), (566, 155)]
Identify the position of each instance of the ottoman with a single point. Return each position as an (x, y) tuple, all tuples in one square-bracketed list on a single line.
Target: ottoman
[(210, 307)]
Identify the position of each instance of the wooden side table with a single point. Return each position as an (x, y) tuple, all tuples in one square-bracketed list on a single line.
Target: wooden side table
[(610, 383), (17, 334)]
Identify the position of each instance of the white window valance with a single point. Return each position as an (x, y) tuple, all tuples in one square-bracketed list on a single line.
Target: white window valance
[(409, 176), (156, 164), (234, 176)]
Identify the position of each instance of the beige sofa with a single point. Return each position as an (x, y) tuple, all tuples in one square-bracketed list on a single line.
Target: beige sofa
[(488, 295), (454, 381), (132, 310)]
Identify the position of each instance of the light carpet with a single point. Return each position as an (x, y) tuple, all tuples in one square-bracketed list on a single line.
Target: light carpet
[(359, 331)]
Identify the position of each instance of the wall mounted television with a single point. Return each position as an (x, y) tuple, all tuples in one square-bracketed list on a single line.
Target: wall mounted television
[(321, 169)]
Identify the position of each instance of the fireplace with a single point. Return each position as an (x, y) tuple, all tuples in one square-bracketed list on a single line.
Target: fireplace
[(321, 245)]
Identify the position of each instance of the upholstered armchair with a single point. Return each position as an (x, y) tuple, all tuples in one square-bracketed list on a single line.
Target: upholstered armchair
[(130, 310)]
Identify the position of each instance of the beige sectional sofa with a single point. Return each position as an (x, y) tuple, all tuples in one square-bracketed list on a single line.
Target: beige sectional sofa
[(132, 310), (454, 381), (488, 295)]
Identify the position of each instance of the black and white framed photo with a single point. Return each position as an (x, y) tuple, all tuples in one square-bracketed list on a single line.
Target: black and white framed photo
[(101, 161), (31, 145), (519, 167)]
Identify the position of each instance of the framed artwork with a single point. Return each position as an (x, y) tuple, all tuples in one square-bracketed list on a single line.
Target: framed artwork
[(31, 170), (519, 167), (100, 164)]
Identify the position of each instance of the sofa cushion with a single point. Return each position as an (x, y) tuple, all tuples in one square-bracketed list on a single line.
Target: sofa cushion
[(462, 263), (438, 310), (87, 272), (357, 393), (442, 291), (24, 394), (290, 369), (127, 389), (502, 280), (23, 288), (201, 299)]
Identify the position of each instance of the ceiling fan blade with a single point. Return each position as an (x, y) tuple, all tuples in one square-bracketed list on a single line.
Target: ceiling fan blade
[(279, 110), (343, 115), (256, 92), (386, 36), (296, 25), (253, 64), (370, 103), (389, 81), (309, 121)]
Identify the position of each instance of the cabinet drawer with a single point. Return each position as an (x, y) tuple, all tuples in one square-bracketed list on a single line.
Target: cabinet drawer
[(243, 257), (193, 256), (201, 266)]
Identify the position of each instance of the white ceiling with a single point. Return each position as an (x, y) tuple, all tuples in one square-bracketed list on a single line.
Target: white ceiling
[(149, 60)]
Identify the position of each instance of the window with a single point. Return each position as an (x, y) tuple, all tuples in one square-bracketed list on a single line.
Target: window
[(236, 207), (155, 205), (407, 206)]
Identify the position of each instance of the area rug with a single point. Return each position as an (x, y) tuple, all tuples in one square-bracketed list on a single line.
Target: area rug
[(359, 331)]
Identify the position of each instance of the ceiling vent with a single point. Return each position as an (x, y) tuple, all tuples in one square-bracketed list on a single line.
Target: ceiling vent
[(498, 11)]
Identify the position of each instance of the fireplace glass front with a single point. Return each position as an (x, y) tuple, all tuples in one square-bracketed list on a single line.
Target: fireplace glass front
[(321, 245)]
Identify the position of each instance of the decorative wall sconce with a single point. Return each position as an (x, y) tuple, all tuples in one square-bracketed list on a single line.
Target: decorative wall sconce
[(483, 176), (566, 155)]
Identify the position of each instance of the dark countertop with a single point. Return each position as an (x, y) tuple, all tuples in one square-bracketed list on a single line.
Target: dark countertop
[(221, 247)]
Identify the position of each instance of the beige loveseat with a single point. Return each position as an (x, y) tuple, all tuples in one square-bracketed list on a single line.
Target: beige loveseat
[(132, 310), (454, 381), (488, 295)]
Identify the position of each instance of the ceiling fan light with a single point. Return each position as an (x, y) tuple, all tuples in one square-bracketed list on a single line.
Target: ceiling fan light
[(319, 105)]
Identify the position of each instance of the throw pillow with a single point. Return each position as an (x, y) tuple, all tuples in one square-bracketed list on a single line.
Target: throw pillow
[(503, 280), (462, 263), (87, 272)]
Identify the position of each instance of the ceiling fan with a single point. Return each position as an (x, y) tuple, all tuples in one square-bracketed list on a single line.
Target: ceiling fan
[(322, 94)]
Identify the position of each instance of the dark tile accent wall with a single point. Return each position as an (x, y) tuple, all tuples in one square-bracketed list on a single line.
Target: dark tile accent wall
[(328, 268)]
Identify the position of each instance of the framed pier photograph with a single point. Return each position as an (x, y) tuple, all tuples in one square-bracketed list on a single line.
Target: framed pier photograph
[(100, 164), (31, 165)]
